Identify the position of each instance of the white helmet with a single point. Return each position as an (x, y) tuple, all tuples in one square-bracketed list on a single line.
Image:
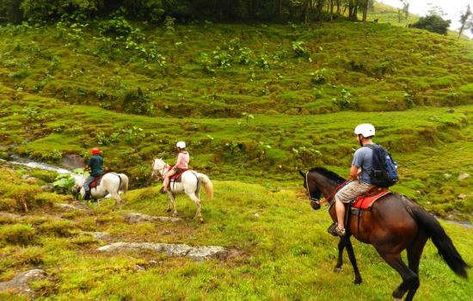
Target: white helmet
[(181, 144), (365, 129)]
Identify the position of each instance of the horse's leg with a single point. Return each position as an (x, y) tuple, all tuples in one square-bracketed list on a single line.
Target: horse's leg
[(409, 277), (414, 252), (341, 246), (351, 256), (198, 214), (172, 203)]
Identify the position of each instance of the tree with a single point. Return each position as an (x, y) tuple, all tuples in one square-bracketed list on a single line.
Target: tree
[(433, 23), (464, 20)]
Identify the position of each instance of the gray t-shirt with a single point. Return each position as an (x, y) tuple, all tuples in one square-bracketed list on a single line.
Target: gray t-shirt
[(363, 157)]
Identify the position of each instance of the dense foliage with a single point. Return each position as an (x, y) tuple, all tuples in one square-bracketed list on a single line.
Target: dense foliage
[(155, 11), (433, 23)]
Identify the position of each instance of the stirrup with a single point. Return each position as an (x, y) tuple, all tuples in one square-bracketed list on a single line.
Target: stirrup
[(335, 231)]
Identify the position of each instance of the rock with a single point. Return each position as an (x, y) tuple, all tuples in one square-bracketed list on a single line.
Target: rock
[(133, 218), (10, 216), (463, 176), (181, 250), (461, 196), (99, 235), (447, 176), (20, 284), (73, 161), (47, 187), (71, 207)]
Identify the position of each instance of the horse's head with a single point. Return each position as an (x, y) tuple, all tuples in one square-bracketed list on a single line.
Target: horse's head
[(157, 168), (312, 189)]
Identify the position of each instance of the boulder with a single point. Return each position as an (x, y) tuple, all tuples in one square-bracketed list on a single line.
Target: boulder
[(181, 250), (134, 218), (20, 284), (463, 176)]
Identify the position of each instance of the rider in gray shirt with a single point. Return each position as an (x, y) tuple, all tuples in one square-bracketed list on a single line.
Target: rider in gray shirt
[(363, 158), (361, 183)]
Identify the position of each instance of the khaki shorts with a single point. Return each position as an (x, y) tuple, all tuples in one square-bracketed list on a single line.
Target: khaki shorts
[(349, 192)]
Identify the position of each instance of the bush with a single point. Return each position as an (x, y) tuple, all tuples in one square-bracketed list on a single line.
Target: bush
[(137, 102), (432, 23), (63, 183), (61, 228), (319, 77), (10, 11), (53, 10), (20, 234), (300, 50), (117, 27)]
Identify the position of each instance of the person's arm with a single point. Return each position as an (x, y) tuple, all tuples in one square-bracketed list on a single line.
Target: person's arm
[(354, 171), (178, 160)]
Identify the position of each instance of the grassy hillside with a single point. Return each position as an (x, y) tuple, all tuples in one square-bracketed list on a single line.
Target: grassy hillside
[(282, 250), (255, 104)]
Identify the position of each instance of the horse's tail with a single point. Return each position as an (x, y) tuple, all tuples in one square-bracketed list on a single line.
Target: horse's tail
[(208, 185), (124, 182), (441, 240)]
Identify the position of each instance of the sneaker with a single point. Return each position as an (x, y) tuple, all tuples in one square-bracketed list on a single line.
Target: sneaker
[(335, 230)]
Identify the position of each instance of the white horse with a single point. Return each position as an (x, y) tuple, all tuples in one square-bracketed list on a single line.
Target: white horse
[(111, 183), (190, 185)]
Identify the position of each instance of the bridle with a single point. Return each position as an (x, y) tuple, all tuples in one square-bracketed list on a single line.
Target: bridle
[(159, 173), (330, 199)]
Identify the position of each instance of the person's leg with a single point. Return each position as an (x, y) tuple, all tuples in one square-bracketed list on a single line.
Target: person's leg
[(86, 186), (346, 195), (166, 179)]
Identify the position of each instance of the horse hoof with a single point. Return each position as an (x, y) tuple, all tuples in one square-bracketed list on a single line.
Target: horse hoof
[(168, 210), (357, 281), (337, 269)]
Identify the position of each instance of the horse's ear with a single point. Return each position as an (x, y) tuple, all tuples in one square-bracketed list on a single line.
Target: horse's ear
[(302, 173)]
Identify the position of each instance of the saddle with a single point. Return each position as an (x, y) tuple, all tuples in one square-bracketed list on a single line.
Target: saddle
[(365, 201), (95, 182), (177, 176)]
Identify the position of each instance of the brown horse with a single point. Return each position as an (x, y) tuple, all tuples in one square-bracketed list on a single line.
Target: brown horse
[(393, 224)]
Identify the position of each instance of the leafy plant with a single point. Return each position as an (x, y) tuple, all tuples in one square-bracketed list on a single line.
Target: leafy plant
[(319, 77), (300, 50), (63, 183), (137, 102), (432, 23)]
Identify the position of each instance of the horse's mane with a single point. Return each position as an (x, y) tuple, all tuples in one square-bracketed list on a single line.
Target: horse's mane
[(329, 174)]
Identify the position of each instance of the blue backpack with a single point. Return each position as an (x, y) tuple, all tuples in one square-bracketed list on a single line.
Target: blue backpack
[(384, 172)]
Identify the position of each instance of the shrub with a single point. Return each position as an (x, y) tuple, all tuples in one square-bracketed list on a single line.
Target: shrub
[(61, 228), (319, 77), (52, 10), (63, 183), (300, 50), (20, 234), (432, 23), (137, 102), (344, 100), (117, 27)]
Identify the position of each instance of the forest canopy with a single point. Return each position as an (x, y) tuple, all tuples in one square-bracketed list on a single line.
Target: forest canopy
[(155, 11)]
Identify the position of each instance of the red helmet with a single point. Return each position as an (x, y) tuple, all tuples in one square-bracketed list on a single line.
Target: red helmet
[(95, 151)]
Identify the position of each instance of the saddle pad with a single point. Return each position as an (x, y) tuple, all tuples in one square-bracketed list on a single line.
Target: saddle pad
[(177, 177), (366, 201), (95, 182)]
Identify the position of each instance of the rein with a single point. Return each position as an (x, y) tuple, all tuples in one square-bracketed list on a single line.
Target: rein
[(164, 170), (330, 198)]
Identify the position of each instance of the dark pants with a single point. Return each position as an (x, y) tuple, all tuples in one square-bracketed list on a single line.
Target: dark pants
[(87, 183)]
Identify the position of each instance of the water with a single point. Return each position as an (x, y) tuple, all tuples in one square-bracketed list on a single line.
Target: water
[(15, 160)]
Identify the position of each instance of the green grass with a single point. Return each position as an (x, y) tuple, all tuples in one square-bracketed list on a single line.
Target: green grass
[(283, 249), (253, 112)]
